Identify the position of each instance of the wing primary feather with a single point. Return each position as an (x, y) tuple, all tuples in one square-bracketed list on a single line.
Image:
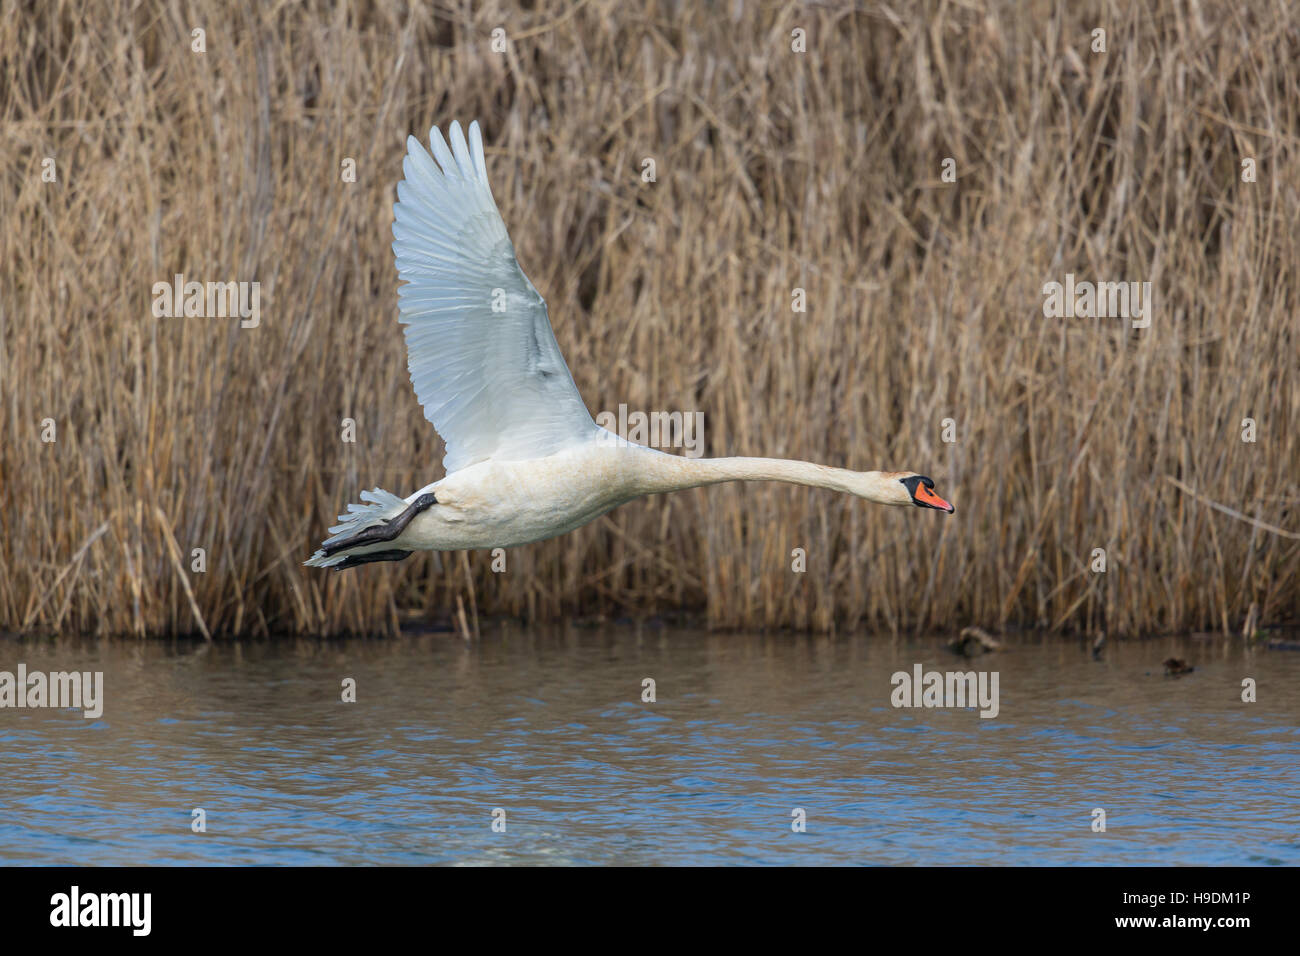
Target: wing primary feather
[(460, 149), (476, 150), (441, 153)]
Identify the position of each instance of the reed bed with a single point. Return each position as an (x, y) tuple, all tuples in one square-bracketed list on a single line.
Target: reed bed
[(775, 170)]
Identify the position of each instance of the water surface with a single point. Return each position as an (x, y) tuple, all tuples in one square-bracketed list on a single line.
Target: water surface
[(550, 727)]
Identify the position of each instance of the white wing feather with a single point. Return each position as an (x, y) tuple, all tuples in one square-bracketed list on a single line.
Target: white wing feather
[(482, 356)]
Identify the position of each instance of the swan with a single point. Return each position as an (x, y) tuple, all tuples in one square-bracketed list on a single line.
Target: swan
[(524, 459)]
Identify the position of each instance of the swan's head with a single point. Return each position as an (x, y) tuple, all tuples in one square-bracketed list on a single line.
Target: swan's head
[(920, 491)]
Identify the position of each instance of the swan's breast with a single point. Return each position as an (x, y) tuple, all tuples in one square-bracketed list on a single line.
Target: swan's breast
[(502, 504)]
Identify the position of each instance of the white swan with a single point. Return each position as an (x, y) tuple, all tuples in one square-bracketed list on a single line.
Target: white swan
[(525, 461)]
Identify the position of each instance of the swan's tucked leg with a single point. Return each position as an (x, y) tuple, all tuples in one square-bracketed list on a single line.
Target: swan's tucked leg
[(386, 530), (352, 560)]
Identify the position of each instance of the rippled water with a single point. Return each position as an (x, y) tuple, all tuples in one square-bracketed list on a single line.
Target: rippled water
[(550, 727)]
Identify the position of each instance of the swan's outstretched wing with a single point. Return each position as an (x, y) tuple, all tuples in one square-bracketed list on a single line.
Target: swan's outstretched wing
[(482, 356)]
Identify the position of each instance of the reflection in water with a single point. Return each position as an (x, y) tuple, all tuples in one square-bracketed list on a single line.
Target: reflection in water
[(550, 727)]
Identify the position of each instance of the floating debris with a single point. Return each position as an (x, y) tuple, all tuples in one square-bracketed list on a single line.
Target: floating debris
[(973, 642)]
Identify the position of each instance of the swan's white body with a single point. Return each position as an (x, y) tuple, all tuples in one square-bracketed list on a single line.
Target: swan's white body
[(500, 504), (525, 460)]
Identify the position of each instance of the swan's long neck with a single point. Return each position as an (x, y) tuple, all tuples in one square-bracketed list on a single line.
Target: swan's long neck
[(662, 473)]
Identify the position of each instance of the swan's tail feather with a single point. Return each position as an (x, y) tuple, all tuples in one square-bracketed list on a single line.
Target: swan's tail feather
[(379, 507)]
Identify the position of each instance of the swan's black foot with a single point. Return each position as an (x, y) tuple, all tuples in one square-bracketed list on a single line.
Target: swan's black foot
[(352, 560), (386, 530)]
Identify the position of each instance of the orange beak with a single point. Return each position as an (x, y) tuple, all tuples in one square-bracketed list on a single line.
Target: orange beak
[(930, 498)]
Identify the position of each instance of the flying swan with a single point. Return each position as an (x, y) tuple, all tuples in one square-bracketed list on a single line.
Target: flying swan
[(525, 460)]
